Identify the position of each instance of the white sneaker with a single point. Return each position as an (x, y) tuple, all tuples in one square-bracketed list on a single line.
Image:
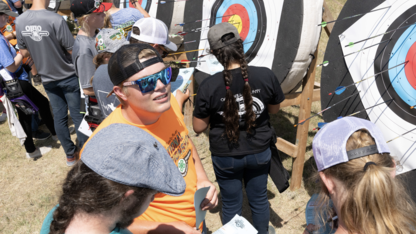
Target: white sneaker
[(3, 117), (39, 152), (71, 130)]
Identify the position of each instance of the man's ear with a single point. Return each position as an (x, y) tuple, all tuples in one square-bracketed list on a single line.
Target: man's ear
[(128, 193), (119, 92), (328, 181)]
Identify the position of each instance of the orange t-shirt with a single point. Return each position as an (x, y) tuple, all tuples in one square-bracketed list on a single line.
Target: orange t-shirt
[(9, 27), (171, 132)]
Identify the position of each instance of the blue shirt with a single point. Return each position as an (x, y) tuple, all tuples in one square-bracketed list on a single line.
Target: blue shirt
[(49, 218), (7, 54), (11, 4), (124, 19)]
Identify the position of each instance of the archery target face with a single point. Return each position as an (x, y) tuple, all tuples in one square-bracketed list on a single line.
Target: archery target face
[(256, 22), (396, 82), (144, 3)]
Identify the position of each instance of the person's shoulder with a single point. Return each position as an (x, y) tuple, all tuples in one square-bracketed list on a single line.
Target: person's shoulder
[(213, 80), (260, 69), (102, 69), (129, 10), (101, 75)]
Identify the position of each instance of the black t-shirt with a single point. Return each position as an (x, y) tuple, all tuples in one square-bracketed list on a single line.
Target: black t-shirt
[(265, 89)]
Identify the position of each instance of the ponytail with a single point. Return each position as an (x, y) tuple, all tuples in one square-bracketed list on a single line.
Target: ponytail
[(373, 201), (227, 55)]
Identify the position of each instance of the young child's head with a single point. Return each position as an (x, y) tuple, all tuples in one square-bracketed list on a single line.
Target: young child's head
[(90, 13), (107, 42), (357, 173)]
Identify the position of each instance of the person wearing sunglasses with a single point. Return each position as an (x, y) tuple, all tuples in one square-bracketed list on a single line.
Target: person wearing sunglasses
[(142, 84), (45, 37)]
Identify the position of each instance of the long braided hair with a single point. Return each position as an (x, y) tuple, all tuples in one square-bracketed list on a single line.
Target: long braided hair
[(86, 191), (226, 56)]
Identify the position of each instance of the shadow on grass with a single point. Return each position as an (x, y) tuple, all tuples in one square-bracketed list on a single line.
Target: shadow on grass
[(310, 179)]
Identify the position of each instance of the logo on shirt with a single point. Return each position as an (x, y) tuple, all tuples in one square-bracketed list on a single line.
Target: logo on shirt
[(9, 28), (258, 106), (178, 149), (35, 32), (183, 164)]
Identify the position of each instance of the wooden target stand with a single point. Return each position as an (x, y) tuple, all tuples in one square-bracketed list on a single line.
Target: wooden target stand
[(310, 93)]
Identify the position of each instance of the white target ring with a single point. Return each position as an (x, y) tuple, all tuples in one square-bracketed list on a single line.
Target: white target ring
[(364, 64)]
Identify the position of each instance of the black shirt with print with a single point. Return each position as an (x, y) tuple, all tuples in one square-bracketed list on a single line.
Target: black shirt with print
[(210, 100)]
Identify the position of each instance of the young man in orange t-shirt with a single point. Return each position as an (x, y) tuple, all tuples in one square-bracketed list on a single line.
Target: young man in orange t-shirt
[(142, 84)]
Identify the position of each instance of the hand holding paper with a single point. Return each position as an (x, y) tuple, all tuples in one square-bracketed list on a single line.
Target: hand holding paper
[(198, 198), (211, 198)]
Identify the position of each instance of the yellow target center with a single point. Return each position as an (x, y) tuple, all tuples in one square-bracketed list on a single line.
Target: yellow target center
[(237, 22)]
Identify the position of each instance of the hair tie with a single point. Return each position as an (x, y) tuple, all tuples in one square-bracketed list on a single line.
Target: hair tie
[(227, 87), (245, 80), (367, 164)]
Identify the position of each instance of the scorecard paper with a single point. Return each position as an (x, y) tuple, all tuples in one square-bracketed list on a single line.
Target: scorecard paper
[(237, 225)]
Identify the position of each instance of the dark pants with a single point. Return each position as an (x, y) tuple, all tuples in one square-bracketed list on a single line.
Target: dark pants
[(254, 169), (35, 122), (64, 94), (26, 120)]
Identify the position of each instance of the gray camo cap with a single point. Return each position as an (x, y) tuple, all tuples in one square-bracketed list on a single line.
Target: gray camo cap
[(129, 155), (109, 40)]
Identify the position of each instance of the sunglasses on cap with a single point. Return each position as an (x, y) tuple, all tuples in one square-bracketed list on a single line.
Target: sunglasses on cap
[(148, 83), (98, 7)]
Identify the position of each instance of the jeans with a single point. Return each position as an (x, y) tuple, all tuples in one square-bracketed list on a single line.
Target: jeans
[(35, 122), (254, 169), (26, 120), (64, 94)]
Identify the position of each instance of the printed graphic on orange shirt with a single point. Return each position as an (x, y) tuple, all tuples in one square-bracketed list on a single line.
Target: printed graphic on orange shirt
[(179, 152)]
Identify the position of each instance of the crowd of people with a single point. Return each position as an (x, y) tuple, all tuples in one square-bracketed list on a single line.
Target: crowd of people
[(139, 169)]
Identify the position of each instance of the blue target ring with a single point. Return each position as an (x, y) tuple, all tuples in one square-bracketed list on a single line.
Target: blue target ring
[(397, 75), (396, 84), (252, 21)]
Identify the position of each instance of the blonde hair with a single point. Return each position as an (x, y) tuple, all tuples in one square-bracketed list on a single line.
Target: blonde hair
[(107, 20), (82, 22), (373, 202)]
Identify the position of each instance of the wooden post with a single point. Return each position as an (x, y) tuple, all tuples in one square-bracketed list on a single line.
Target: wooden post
[(188, 107), (302, 131), (327, 16)]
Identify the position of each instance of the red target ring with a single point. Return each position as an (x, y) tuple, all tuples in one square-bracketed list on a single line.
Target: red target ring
[(138, 1), (410, 68), (241, 12)]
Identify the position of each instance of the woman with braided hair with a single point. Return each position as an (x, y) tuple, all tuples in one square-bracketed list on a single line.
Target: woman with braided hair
[(236, 104)]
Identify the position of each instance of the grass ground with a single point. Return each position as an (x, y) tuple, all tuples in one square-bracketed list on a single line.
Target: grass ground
[(29, 189)]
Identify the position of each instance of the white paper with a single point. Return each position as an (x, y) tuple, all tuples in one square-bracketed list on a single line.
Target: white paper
[(361, 66), (84, 128), (237, 225), (200, 195), (6, 75), (184, 77)]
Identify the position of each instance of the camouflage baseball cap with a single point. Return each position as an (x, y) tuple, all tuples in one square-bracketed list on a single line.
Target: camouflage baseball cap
[(109, 40)]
